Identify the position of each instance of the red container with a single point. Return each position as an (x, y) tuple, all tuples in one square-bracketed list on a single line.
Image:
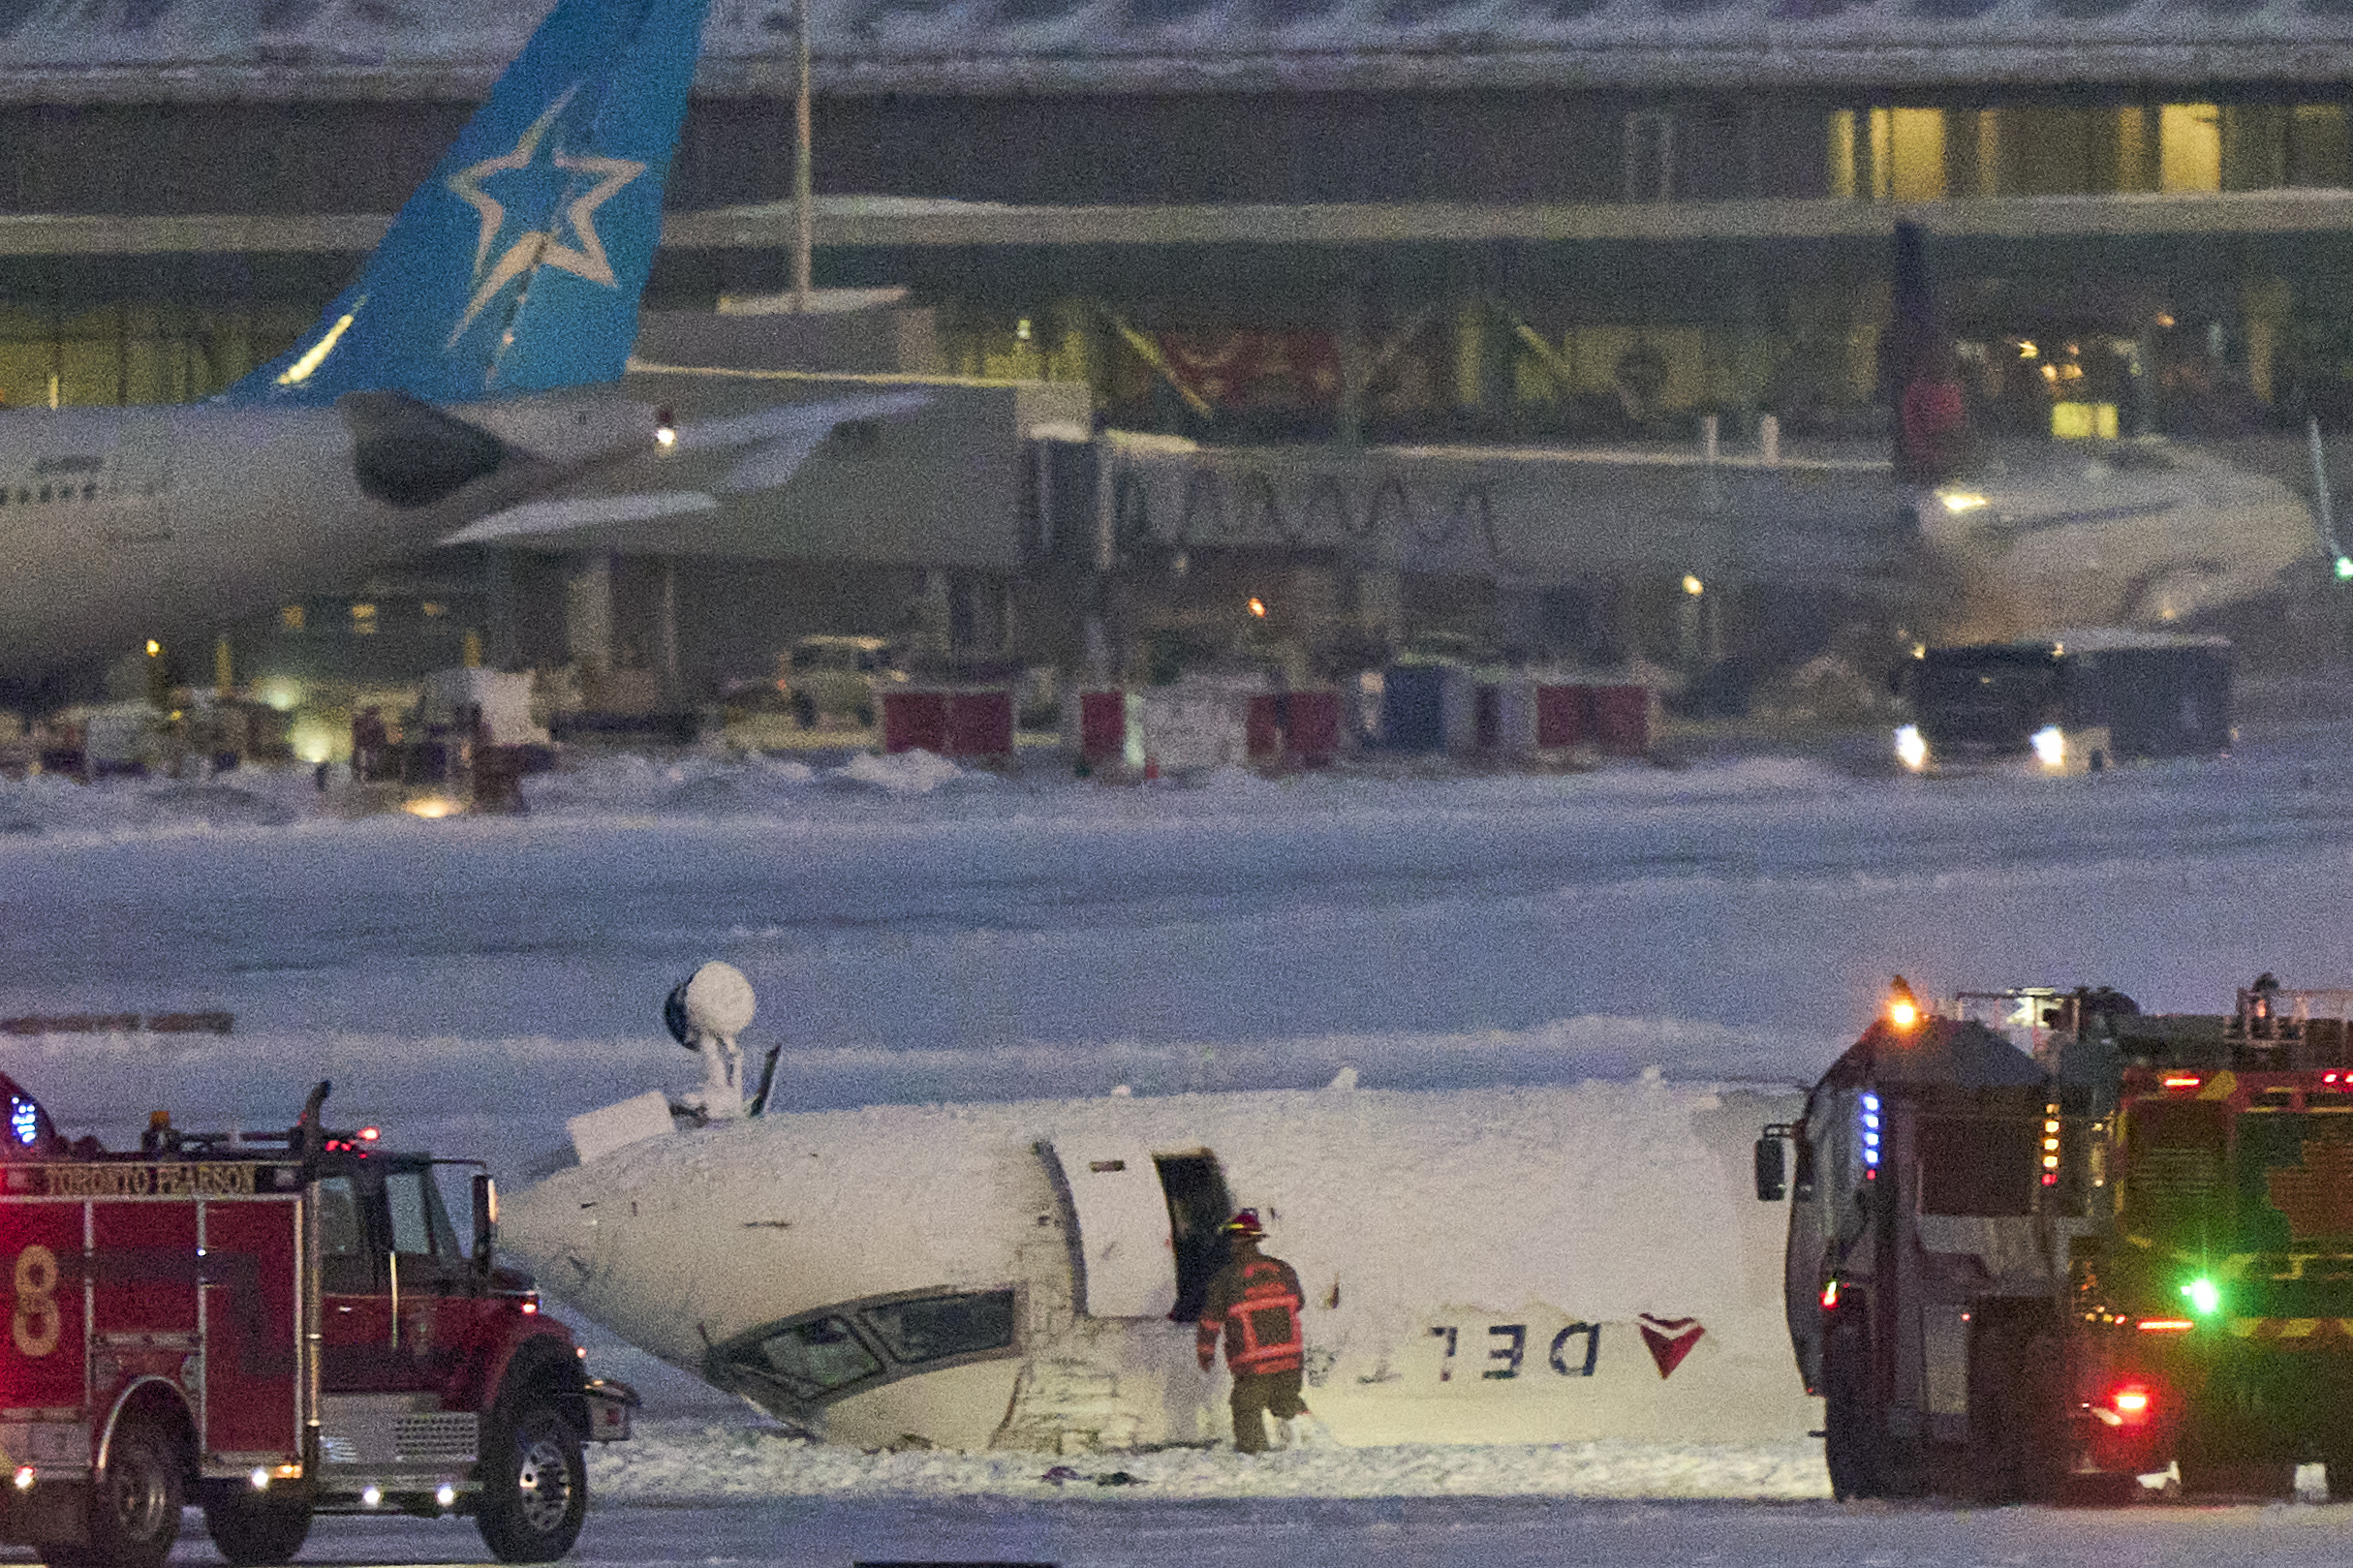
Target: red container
[(1621, 719), (914, 722), (980, 724), (1563, 715), (1313, 718), (1315, 726), (1102, 726)]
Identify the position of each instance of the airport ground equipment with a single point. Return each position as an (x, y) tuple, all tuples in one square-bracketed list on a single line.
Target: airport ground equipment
[(2041, 1245), (270, 1328), (2072, 703)]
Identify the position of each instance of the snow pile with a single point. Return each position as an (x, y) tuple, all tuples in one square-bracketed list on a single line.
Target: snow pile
[(906, 773), (679, 1462)]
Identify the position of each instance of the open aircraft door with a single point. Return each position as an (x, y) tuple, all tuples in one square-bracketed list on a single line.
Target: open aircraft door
[(1127, 1267)]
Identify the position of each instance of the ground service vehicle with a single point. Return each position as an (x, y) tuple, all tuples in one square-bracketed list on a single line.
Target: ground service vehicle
[(2073, 704), (270, 1328), (2042, 1244), (835, 677)]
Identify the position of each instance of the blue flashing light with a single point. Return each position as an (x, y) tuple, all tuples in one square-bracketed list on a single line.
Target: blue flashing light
[(23, 1119), (1871, 1131)]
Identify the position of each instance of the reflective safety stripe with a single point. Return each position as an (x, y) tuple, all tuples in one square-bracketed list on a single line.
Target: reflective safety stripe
[(1262, 1330), (2292, 1333)]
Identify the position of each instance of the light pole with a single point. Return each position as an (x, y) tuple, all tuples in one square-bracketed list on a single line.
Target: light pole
[(804, 199)]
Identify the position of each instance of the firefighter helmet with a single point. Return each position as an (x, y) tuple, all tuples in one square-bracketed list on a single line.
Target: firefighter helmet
[(1245, 1226)]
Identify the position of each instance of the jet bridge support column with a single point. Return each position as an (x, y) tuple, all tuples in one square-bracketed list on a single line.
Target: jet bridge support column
[(588, 610), (498, 607)]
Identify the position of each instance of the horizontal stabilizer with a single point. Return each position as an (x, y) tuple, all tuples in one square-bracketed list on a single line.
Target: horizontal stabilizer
[(780, 439), (408, 454), (540, 518)]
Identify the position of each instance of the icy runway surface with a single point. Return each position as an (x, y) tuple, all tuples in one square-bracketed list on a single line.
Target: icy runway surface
[(917, 934), (1134, 1531)]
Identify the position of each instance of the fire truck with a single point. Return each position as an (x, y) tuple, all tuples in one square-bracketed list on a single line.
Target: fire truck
[(270, 1328), (2043, 1245)]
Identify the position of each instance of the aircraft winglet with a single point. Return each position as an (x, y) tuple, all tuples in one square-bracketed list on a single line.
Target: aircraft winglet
[(518, 265)]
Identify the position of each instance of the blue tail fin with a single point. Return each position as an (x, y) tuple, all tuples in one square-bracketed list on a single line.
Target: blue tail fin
[(516, 268)]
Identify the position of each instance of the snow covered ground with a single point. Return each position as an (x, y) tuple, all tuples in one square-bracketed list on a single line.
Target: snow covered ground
[(918, 932)]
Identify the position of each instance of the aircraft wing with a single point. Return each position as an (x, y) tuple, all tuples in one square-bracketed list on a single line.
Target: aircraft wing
[(724, 456), (546, 519)]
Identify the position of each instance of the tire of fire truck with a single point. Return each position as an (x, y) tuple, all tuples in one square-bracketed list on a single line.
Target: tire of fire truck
[(1852, 1435), (2018, 1413), (2207, 1475), (135, 1504), (534, 1485), (2220, 1454), (249, 1529)]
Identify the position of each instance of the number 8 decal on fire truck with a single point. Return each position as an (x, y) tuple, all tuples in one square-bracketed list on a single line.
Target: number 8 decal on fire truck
[(36, 1324)]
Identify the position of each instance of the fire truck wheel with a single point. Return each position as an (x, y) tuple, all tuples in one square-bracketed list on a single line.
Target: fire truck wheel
[(535, 1487), (249, 1529), (135, 1510), (1850, 1417), (2204, 1476), (2018, 1418)]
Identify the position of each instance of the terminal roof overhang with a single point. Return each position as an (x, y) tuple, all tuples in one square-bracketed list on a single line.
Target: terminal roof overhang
[(197, 50), (890, 222)]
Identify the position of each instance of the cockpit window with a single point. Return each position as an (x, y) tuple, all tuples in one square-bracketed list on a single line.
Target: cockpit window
[(814, 1358), (850, 1347), (933, 1328)]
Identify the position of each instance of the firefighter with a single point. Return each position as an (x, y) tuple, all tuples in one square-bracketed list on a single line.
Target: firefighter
[(1255, 1300)]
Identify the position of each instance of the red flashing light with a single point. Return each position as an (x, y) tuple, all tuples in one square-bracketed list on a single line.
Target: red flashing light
[(1830, 1296), (2130, 1400), (2050, 1178), (2184, 1080), (531, 1309), (2165, 1324), (368, 1135)]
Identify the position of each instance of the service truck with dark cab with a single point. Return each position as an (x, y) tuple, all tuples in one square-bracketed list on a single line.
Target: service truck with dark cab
[(270, 1328), (2042, 1244)]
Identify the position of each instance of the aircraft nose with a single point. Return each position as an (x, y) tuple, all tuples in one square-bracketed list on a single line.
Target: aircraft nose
[(551, 1231)]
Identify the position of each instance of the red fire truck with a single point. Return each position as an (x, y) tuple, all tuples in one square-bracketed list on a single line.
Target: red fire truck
[(270, 1328), (2042, 1244)]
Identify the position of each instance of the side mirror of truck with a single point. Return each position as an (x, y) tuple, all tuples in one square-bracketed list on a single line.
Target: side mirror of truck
[(485, 1220), (1771, 1166)]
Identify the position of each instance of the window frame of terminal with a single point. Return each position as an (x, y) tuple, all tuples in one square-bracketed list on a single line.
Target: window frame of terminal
[(736, 1363)]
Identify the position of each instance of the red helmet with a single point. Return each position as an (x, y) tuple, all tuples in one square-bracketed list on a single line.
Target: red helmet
[(1244, 1225)]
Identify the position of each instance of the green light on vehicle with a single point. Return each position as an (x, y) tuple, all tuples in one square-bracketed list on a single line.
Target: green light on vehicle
[(2205, 1297), (2345, 567)]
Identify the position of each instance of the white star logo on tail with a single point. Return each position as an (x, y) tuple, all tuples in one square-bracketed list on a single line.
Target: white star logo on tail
[(533, 248)]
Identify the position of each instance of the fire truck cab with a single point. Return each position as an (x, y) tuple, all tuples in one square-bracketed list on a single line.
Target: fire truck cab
[(270, 1328), (2041, 1242)]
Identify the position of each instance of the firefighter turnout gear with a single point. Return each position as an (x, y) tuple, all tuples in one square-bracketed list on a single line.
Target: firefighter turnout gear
[(1254, 1302)]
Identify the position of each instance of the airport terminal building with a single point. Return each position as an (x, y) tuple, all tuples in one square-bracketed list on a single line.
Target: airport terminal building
[(1271, 236)]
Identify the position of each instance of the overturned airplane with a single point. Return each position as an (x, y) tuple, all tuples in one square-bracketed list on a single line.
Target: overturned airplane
[(1528, 1265)]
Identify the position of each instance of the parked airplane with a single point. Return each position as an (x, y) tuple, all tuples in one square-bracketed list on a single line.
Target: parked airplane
[(2028, 536), (1531, 1265), (473, 367)]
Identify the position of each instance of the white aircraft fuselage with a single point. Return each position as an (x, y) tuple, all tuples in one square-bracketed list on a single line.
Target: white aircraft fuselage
[(1529, 1265), (122, 524)]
